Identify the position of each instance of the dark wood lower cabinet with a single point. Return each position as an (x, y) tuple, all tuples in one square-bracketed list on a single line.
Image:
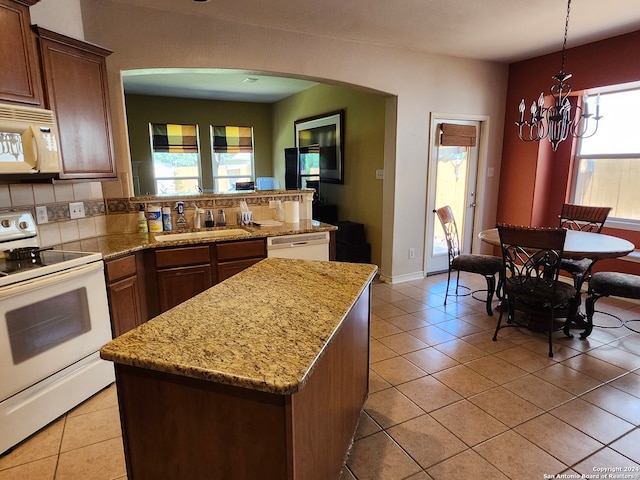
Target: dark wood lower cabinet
[(233, 257), (182, 272), (123, 290), (124, 301), (175, 285), (177, 428), (229, 269)]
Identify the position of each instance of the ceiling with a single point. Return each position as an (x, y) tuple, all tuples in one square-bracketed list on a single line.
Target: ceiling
[(212, 84), (495, 30)]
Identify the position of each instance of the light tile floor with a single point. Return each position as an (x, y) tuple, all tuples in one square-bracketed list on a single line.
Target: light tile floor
[(445, 401)]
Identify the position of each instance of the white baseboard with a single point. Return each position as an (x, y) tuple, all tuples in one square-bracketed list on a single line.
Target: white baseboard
[(402, 278)]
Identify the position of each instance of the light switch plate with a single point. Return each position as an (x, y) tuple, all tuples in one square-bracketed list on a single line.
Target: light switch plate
[(379, 174)]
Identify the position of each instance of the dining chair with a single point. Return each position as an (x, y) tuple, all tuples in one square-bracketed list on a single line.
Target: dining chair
[(614, 284), (587, 219), (531, 260), (486, 265)]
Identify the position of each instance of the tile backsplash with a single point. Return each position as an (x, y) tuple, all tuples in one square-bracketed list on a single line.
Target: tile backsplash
[(59, 228), (120, 215)]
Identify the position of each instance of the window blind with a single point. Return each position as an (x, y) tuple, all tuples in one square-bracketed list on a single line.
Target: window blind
[(227, 139), (452, 135), (172, 138)]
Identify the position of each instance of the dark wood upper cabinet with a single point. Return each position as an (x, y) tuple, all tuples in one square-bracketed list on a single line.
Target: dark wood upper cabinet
[(76, 89), (19, 71)]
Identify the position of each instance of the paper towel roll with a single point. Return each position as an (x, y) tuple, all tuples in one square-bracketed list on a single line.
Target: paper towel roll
[(291, 212)]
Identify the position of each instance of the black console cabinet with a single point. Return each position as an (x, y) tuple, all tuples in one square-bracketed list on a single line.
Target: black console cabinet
[(325, 213), (351, 244)]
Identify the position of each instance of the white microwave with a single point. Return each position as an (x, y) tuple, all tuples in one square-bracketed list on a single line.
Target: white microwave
[(28, 141)]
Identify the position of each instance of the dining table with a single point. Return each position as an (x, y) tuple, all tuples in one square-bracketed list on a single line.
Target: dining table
[(579, 245)]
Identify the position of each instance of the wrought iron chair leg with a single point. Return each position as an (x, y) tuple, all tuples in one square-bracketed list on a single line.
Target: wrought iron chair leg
[(550, 333), (510, 309), (457, 281), (500, 287), (590, 308), (572, 314), (446, 293), (491, 287), (495, 334), (578, 280)]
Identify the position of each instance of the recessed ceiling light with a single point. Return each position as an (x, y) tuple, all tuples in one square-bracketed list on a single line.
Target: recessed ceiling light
[(200, 1), (250, 80)]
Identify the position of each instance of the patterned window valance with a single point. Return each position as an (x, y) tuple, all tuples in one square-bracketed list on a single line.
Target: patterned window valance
[(168, 137), (452, 135), (228, 139)]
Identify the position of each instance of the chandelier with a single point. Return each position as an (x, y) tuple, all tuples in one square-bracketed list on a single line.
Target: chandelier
[(560, 119)]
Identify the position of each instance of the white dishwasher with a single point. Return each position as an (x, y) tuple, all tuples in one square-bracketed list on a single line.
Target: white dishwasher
[(304, 246)]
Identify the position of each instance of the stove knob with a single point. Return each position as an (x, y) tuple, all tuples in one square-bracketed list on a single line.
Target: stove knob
[(5, 223), (23, 225)]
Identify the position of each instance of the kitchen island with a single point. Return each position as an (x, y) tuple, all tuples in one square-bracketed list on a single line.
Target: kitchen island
[(261, 376)]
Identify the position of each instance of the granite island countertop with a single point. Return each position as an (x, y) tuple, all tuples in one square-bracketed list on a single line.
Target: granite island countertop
[(262, 329), (112, 246)]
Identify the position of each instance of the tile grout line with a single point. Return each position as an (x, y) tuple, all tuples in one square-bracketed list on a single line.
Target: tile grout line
[(546, 411)]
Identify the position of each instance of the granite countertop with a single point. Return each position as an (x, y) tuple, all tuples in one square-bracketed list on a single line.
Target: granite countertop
[(263, 329), (116, 245)]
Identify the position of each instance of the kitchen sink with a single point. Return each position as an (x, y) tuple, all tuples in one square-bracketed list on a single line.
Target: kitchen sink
[(203, 235)]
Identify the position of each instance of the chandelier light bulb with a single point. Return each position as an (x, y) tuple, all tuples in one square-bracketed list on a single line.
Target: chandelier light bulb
[(560, 119)]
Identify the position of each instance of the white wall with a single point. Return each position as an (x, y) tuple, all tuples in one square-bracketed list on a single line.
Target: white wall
[(144, 38)]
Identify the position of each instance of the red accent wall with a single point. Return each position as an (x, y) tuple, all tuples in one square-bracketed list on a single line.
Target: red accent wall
[(534, 179)]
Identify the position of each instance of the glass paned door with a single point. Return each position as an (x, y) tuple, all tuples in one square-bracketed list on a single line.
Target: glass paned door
[(452, 181)]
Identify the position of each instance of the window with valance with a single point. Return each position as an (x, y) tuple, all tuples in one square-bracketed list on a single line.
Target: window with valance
[(176, 158), (232, 148)]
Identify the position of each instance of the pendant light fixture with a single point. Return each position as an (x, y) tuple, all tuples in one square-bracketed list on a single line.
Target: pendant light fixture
[(560, 119)]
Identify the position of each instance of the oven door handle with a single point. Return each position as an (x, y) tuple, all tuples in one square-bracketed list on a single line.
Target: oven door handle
[(47, 280)]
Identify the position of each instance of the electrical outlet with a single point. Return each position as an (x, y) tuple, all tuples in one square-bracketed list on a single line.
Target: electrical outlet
[(273, 204), (41, 214), (76, 210), (412, 253)]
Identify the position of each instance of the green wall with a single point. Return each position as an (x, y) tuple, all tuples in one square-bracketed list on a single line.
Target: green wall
[(142, 110), (359, 199)]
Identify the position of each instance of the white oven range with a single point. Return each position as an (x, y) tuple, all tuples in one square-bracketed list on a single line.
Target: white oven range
[(54, 317)]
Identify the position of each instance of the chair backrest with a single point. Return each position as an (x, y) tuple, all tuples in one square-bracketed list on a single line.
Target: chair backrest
[(448, 222), (531, 259), (583, 217)]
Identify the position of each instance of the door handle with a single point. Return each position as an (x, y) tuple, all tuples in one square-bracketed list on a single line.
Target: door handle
[(472, 205)]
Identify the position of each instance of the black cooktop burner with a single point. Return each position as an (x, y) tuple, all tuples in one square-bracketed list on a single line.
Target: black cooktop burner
[(21, 258), (25, 253)]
